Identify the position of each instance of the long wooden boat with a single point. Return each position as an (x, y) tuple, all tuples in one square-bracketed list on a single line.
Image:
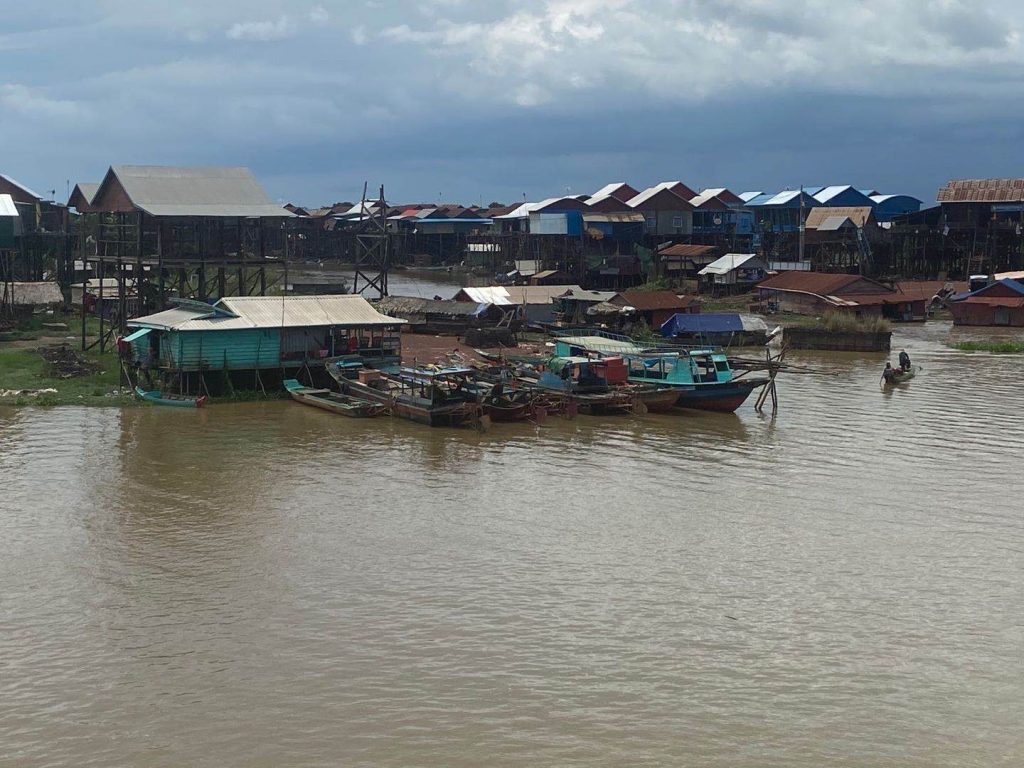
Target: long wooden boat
[(157, 397), (334, 402), (431, 397), (701, 376)]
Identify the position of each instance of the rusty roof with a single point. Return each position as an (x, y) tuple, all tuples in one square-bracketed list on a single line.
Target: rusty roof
[(982, 191), (821, 283), (817, 216), (682, 250)]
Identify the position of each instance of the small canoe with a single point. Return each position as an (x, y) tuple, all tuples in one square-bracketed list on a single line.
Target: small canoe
[(901, 377), (334, 402), (157, 397)]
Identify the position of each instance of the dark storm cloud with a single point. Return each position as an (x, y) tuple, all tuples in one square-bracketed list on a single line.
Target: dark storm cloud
[(474, 101)]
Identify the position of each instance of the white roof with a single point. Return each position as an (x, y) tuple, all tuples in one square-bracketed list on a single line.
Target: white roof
[(746, 197), (200, 191), (524, 210), (727, 263), (244, 312), (21, 186), (7, 207), (783, 197), (650, 192), (513, 295), (827, 193)]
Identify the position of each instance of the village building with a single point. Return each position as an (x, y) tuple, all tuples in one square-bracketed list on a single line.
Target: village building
[(733, 273), (535, 302), (655, 307), (998, 304), (666, 208), (81, 197), (258, 333), (814, 293)]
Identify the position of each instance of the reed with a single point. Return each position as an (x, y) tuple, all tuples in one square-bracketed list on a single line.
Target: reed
[(995, 347), (847, 322)]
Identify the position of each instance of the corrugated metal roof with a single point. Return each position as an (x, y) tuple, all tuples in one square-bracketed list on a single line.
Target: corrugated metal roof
[(20, 186), (825, 194), (727, 263), (7, 207), (982, 191), (614, 218), (618, 190), (746, 197), (271, 312), (206, 191), (87, 189), (833, 223), (859, 215), (820, 283), (516, 294), (683, 250), (677, 188)]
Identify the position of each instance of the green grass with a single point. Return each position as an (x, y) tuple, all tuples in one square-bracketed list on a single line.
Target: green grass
[(995, 347), (25, 369)]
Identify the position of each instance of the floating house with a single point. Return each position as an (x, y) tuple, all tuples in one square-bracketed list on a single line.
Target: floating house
[(818, 292), (686, 258), (655, 307), (441, 316), (252, 333), (535, 301), (1000, 304), (734, 272), (720, 328)]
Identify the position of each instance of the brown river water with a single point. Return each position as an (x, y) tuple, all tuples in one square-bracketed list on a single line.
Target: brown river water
[(271, 585)]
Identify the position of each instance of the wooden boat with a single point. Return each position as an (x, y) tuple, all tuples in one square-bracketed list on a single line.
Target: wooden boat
[(433, 397), (657, 399), (334, 402), (701, 376), (157, 397), (582, 381)]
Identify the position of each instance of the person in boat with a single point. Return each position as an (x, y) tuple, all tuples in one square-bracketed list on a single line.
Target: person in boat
[(904, 361), (889, 374)]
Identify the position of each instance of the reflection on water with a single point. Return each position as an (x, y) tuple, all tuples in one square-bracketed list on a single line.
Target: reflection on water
[(267, 584)]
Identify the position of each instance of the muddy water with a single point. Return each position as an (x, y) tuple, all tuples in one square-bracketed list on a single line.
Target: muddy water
[(268, 585)]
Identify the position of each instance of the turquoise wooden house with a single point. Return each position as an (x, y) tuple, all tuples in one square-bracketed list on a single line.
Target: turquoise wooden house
[(252, 333)]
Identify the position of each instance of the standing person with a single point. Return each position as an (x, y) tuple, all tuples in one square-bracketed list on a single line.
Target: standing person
[(904, 360)]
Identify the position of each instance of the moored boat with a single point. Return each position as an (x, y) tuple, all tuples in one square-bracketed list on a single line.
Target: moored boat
[(334, 402), (584, 382), (158, 397), (701, 376), (435, 397)]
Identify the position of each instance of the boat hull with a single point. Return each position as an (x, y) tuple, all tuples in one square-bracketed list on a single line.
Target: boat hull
[(659, 400), (454, 415), (331, 402), (721, 397), (156, 397)]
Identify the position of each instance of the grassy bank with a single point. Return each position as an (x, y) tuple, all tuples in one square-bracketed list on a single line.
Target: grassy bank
[(25, 369), (995, 347)]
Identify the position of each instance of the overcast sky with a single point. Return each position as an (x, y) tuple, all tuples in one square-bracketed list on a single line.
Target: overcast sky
[(471, 101)]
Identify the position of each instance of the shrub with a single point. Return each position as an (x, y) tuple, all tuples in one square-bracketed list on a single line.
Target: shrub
[(847, 322)]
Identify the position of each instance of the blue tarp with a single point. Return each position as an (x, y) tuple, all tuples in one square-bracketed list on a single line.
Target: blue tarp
[(714, 322)]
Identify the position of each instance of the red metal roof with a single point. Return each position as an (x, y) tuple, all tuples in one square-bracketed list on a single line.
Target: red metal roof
[(821, 283)]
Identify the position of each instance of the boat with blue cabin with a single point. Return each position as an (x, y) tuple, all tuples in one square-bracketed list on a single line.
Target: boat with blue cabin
[(701, 374)]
